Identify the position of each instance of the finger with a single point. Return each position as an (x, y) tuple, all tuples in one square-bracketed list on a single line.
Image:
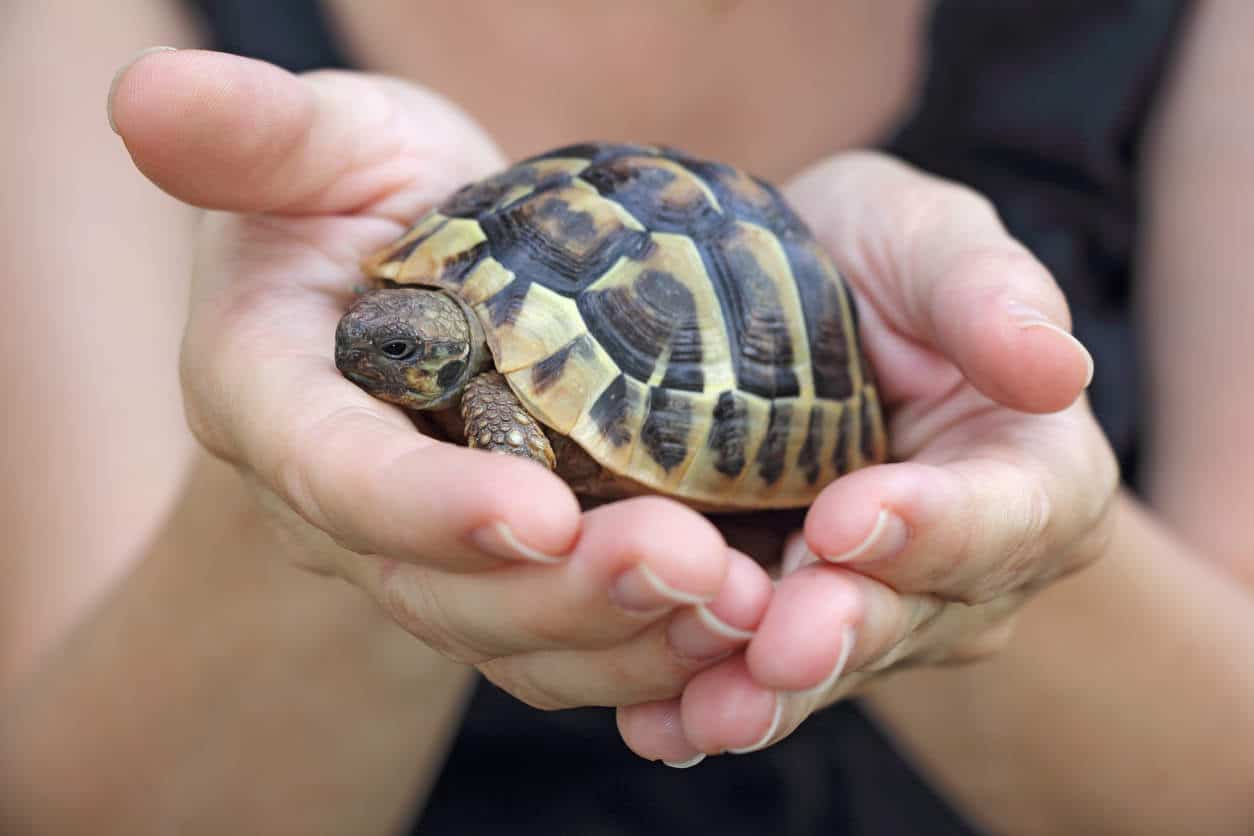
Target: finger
[(824, 621), (934, 264), (793, 668), (651, 666), (655, 732), (261, 391), (636, 671), (225, 132), (377, 487), (1025, 505), (708, 632), (634, 563)]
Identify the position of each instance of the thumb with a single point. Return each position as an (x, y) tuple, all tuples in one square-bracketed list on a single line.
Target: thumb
[(224, 132), (940, 271)]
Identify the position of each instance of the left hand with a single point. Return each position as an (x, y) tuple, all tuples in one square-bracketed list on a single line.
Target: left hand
[(1000, 483)]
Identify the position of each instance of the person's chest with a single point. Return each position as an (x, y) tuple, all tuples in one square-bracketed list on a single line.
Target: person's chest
[(769, 86)]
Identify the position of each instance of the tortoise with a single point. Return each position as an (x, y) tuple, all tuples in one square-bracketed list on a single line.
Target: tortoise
[(635, 318)]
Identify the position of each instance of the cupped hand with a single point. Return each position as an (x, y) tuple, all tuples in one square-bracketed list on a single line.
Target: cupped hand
[(1000, 483), (484, 557)]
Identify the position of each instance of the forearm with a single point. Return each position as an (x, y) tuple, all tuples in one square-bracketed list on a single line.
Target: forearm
[(1122, 705), (220, 690), (95, 447)]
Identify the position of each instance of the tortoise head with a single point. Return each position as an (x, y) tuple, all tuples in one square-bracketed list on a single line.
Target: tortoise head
[(411, 346)]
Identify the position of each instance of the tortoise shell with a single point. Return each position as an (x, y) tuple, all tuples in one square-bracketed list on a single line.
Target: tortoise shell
[(674, 317)]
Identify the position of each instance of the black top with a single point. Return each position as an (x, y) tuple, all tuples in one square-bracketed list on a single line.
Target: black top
[(1039, 105)]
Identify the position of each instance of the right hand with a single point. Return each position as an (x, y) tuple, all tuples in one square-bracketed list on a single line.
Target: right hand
[(484, 557)]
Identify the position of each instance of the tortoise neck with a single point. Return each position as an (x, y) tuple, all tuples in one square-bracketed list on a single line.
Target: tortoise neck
[(480, 359)]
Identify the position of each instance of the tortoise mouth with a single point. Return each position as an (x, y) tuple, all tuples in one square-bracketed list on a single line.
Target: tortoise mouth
[(366, 381)]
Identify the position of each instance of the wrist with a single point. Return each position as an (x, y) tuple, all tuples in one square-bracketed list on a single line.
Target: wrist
[(218, 650), (224, 533)]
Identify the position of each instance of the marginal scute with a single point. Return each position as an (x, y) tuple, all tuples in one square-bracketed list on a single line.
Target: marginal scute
[(667, 427), (486, 280), (386, 264), (729, 434), (538, 324), (808, 457), (675, 425), (447, 250), (848, 454), (609, 429), (560, 388), (874, 446)]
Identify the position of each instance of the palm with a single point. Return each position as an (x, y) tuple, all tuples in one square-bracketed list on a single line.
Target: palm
[(993, 491)]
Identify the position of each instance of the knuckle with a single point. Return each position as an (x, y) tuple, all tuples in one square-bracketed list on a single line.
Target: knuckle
[(419, 611), (1029, 538), (1016, 553), (929, 201), (517, 681), (982, 645), (549, 626), (301, 457)]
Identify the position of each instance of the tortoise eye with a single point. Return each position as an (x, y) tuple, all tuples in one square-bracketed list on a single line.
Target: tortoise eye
[(398, 349)]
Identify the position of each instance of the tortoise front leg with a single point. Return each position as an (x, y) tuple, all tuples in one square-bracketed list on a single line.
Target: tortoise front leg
[(495, 420)]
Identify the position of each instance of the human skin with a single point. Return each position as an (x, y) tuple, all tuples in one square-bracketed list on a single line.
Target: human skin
[(1053, 798), (1119, 703), (347, 488)]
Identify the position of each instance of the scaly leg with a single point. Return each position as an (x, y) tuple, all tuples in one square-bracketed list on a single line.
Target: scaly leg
[(496, 421)]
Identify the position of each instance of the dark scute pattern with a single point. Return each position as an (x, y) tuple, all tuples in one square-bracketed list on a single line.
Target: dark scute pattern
[(405, 250), (868, 436), (761, 347), (611, 410), (545, 373), (808, 458), (639, 188), (635, 325), (840, 458), (774, 447), (743, 197), (572, 224), (820, 303), (504, 305), (666, 427), (565, 263), (778, 216), (478, 197), (458, 267), (596, 152), (728, 430)]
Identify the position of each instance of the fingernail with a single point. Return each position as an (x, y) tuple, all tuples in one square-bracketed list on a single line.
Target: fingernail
[(705, 637), (847, 638), (797, 556), (117, 77), (688, 764), (721, 627), (640, 590), (771, 730), (1029, 317), (498, 538), (888, 537)]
